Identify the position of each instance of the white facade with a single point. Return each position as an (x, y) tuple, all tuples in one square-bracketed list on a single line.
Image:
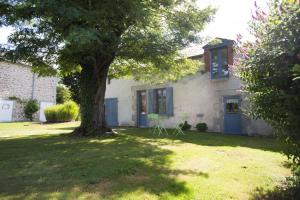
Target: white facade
[(198, 96)]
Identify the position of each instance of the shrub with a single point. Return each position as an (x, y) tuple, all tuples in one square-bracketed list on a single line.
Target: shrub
[(30, 108), (270, 71), (50, 113), (185, 126), (62, 112), (201, 127), (63, 94)]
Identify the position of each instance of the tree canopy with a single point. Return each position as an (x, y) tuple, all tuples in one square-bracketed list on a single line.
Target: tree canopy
[(73, 83), (101, 38), (144, 36)]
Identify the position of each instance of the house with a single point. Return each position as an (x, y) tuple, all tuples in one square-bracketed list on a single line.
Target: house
[(212, 96), (19, 84)]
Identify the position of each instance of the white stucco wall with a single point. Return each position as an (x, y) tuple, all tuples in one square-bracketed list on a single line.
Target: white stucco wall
[(17, 80), (201, 98), (197, 95), (122, 89)]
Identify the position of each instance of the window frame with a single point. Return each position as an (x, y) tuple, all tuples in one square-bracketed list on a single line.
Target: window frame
[(220, 62), (141, 94), (156, 100), (235, 100)]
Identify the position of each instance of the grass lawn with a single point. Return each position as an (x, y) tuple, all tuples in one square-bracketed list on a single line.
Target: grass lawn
[(39, 162)]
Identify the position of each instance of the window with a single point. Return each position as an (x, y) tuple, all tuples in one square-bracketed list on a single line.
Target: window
[(214, 64), (143, 102), (232, 106), (161, 101), (219, 63)]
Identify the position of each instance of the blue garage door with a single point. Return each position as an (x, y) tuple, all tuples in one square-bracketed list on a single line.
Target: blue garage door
[(111, 111)]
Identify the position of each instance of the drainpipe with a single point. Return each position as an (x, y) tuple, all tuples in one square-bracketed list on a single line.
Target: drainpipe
[(33, 86)]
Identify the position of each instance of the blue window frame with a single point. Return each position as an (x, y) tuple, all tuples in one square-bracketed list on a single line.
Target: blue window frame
[(160, 101), (219, 63)]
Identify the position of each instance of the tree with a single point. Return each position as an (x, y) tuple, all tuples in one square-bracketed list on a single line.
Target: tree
[(31, 107), (270, 69), (72, 81), (63, 94), (108, 37)]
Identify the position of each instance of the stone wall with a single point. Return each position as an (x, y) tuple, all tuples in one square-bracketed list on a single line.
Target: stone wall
[(17, 80)]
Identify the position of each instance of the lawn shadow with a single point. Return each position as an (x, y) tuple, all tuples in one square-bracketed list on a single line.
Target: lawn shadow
[(62, 167), (66, 128), (286, 192), (213, 139)]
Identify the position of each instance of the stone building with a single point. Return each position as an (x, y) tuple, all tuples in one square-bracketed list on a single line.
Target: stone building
[(212, 96), (19, 84)]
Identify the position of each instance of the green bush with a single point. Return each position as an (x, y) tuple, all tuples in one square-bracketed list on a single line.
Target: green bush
[(62, 112), (202, 127), (185, 126), (30, 108), (50, 113), (63, 94)]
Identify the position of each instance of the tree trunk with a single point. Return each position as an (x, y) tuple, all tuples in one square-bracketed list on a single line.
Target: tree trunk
[(92, 91)]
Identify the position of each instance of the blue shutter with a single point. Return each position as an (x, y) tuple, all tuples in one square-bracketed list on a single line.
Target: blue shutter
[(111, 111), (170, 107), (151, 101)]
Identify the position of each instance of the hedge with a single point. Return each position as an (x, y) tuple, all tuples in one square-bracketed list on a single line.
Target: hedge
[(62, 112)]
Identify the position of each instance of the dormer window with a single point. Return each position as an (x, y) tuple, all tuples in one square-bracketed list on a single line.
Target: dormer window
[(219, 63), (218, 55)]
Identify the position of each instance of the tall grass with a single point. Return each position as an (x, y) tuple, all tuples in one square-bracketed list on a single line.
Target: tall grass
[(62, 112)]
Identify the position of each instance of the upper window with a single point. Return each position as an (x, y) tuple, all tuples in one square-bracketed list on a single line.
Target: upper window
[(219, 63), (161, 101)]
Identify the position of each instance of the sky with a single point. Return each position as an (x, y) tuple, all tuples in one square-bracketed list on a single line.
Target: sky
[(232, 18)]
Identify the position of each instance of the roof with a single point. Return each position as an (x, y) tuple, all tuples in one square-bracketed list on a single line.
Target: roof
[(218, 42), (192, 51), (197, 50)]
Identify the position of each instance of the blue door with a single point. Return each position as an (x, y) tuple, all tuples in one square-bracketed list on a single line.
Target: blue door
[(142, 109), (232, 115), (111, 111)]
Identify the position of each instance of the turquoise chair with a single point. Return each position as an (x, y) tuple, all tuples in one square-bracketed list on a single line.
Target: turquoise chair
[(158, 128), (178, 130)]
